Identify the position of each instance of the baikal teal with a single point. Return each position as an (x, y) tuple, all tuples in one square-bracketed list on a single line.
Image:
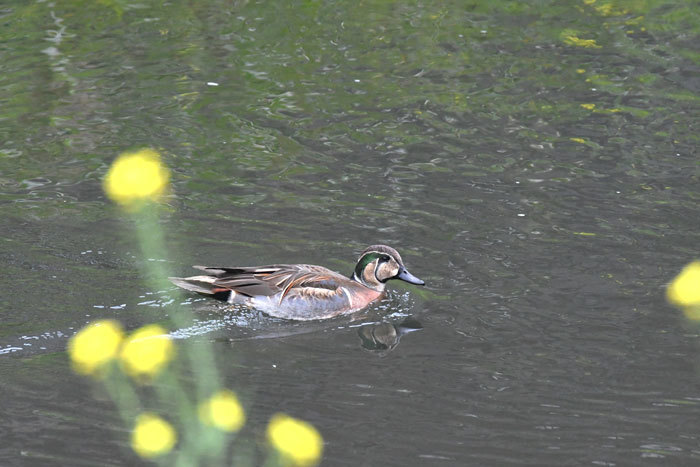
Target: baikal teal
[(303, 291)]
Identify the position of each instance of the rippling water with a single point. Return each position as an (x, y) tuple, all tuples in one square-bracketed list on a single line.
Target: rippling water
[(544, 187)]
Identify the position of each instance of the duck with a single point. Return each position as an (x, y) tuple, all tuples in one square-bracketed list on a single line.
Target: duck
[(302, 291)]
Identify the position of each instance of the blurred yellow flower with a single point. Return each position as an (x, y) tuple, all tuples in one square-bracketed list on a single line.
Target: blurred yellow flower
[(298, 442), (146, 351), (578, 140), (588, 106), (223, 411), (684, 290), (136, 177), (95, 345), (152, 436)]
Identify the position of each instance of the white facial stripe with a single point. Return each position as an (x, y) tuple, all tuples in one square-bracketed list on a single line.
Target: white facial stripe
[(371, 271)]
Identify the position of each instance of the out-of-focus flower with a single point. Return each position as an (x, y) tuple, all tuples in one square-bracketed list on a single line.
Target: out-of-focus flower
[(146, 352), (152, 436), (95, 345), (223, 411), (684, 290), (298, 442), (135, 177)]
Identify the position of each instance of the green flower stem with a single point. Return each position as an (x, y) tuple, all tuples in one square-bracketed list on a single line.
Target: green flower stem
[(200, 445), (150, 236), (273, 459), (122, 394), (170, 390)]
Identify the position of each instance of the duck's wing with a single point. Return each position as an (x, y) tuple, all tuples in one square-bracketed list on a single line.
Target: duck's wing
[(260, 280)]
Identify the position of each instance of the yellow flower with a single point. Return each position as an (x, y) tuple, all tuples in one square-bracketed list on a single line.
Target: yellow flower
[(684, 290), (298, 442), (588, 106), (223, 411), (147, 351), (95, 345), (578, 140), (152, 436), (136, 177)]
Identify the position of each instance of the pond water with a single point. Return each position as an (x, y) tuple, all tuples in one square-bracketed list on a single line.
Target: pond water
[(534, 162)]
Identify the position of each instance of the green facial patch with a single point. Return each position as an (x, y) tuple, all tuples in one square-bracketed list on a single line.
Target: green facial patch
[(364, 261)]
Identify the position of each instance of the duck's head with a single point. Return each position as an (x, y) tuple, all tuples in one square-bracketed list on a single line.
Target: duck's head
[(380, 263)]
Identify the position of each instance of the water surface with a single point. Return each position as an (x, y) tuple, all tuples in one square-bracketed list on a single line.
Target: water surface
[(534, 162)]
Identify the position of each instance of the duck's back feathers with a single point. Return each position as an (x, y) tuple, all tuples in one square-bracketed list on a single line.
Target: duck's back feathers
[(263, 281)]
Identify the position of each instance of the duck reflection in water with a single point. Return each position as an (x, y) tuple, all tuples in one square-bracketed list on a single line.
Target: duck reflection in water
[(382, 338)]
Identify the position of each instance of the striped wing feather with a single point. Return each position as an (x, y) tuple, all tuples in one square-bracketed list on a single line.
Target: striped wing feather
[(273, 279)]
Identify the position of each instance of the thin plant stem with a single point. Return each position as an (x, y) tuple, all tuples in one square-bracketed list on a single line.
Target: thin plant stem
[(201, 357)]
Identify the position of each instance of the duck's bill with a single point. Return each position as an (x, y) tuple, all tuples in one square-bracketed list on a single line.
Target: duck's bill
[(406, 276)]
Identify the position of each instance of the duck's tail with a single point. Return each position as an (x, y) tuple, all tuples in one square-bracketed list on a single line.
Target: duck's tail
[(201, 284)]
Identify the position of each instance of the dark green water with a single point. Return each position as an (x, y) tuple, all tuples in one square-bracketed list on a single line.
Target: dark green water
[(544, 186)]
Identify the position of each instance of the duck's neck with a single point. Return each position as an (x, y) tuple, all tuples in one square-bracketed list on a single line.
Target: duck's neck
[(374, 285)]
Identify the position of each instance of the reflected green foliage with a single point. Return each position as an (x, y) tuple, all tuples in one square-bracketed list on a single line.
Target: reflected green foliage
[(82, 78)]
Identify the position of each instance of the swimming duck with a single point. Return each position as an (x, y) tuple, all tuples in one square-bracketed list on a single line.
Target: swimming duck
[(303, 291)]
